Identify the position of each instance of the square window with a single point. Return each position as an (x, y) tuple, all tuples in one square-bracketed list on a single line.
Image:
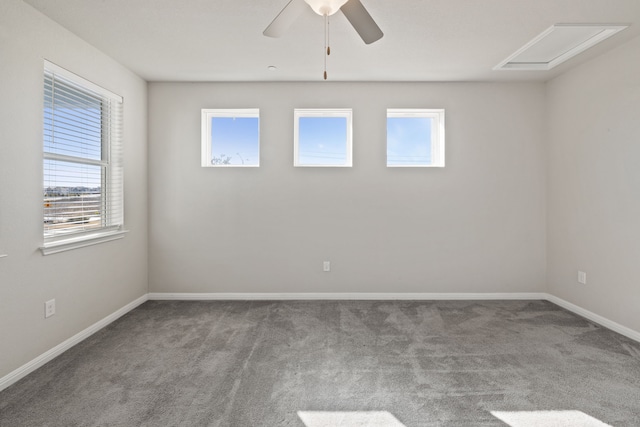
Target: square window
[(322, 137), (231, 138), (415, 138)]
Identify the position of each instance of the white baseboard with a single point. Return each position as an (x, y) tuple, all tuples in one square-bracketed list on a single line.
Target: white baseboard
[(31, 366), (160, 296), (603, 321)]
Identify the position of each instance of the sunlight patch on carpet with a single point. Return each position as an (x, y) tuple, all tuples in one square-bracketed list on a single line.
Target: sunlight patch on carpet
[(548, 419), (349, 419)]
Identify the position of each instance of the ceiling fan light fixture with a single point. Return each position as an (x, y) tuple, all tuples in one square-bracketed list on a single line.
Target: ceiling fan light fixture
[(325, 7)]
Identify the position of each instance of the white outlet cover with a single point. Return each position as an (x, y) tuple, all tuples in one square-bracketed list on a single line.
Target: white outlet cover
[(49, 308), (582, 277)]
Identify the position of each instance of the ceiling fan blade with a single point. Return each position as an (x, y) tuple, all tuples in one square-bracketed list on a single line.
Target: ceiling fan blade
[(285, 18), (363, 23)]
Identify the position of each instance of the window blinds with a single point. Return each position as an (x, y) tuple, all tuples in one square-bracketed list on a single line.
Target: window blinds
[(83, 176)]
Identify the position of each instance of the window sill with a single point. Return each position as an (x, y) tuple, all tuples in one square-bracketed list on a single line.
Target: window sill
[(81, 241)]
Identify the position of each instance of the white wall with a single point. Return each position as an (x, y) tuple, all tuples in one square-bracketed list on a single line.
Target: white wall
[(507, 214), (89, 283), (477, 225), (594, 185)]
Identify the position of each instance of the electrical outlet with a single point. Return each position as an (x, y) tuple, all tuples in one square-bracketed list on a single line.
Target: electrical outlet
[(49, 308), (582, 277), (326, 266)]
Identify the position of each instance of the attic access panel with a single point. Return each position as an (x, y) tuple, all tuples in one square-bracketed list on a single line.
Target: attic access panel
[(557, 44)]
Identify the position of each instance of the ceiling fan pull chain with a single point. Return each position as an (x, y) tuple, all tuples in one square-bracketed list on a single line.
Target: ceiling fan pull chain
[(326, 43), (328, 37)]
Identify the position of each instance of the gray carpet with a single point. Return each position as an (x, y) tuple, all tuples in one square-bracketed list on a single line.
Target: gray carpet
[(329, 363)]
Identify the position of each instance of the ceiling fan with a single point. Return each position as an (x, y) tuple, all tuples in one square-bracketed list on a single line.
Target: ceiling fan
[(353, 10)]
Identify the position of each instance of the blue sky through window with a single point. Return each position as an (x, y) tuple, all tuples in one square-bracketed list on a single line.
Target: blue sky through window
[(235, 141), (409, 141), (322, 141), (77, 132), (73, 130), (58, 173)]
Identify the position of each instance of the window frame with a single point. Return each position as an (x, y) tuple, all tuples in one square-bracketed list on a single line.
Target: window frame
[(111, 206), (206, 116), (437, 134), (346, 113)]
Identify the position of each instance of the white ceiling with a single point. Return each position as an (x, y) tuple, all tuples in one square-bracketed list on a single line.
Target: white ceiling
[(425, 40)]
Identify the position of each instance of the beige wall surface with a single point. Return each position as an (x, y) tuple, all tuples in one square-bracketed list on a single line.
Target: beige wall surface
[(541, 180), (477, 225), (594, 185), (88, 283)]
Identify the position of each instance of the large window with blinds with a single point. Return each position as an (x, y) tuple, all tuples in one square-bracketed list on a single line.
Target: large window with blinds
[(83, 176)]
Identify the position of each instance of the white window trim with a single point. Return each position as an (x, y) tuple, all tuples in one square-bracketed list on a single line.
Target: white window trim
[(81, 241), (347, 113), (437, 133), (206, 115), (57, 244), (56, 69)]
